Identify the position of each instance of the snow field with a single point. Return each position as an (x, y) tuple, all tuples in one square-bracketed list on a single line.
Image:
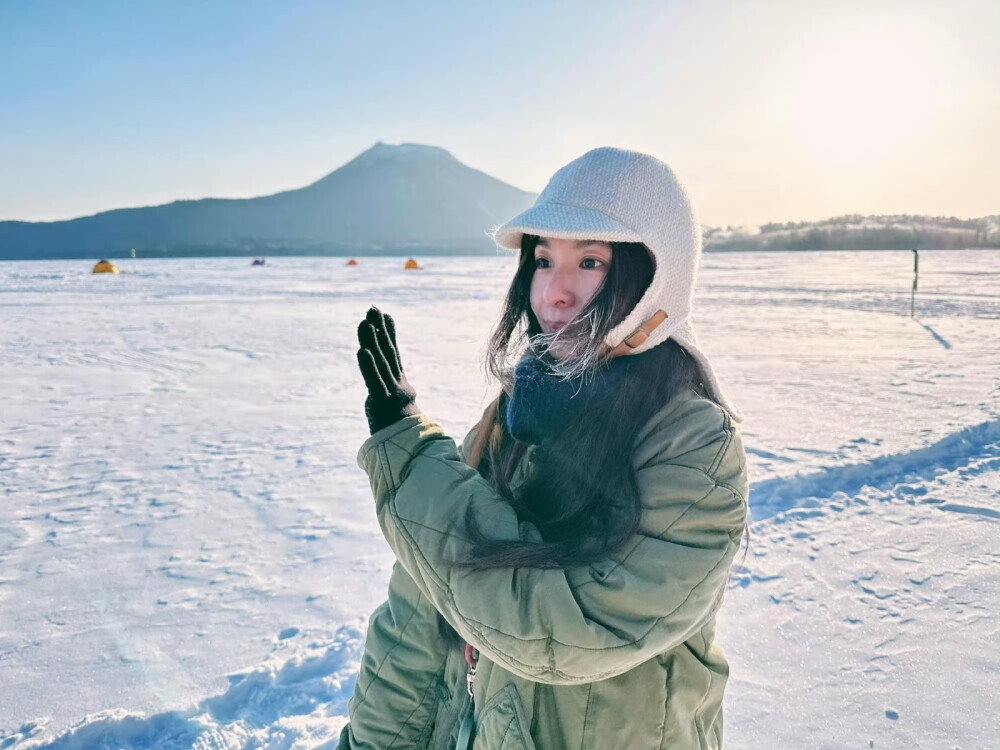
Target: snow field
[(181, 500)]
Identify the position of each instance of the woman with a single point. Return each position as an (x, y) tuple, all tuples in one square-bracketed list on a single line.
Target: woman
[(557, 587)]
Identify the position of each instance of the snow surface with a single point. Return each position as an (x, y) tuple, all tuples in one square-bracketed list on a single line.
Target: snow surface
[(188, 550)]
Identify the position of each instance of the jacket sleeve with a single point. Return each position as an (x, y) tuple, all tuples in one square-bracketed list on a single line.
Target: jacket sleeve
[(396, 691), (582, 623), (399, 679)]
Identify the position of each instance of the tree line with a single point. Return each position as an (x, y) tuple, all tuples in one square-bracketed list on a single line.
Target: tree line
[(857, 232)]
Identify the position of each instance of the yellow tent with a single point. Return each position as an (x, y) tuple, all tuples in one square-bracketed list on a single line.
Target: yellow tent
[(411, 265), (105, 266)]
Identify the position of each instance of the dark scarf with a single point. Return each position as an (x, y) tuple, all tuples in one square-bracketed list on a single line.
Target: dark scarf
[(541, 402)]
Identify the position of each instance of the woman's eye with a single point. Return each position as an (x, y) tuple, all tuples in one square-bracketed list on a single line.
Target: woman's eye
[(541, 262), (592, 263)]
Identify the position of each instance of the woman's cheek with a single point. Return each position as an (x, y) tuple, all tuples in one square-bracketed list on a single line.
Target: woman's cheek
[(594, 284)]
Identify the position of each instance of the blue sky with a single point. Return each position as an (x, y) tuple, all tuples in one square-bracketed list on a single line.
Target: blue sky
[(770, 111)]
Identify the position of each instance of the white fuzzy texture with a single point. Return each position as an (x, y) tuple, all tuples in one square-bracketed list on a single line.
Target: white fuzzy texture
[(614, 195)]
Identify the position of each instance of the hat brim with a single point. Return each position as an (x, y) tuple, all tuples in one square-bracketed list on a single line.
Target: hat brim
[(563, 222)]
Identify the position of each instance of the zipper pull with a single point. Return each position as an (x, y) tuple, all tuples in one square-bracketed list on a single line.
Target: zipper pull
[(468, 725), (471, 659), (470, 677)]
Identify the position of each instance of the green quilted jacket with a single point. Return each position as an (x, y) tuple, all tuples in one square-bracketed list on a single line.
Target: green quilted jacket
[(615, 654)]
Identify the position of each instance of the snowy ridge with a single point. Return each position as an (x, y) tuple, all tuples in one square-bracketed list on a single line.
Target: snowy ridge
[(975, 448), (283, 702)]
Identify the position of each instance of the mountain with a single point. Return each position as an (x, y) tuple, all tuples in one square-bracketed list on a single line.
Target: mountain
[(412, 198), (390, 198)]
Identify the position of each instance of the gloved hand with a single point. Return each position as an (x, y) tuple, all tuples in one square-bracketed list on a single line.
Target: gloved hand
[(390, 395)]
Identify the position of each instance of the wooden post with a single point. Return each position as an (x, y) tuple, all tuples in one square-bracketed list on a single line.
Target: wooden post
[(916, 272)]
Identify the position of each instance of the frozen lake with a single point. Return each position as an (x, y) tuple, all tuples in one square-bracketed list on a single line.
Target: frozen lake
[(188, 549)]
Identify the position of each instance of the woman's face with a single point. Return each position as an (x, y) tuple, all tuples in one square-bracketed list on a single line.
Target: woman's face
[(567, 275)]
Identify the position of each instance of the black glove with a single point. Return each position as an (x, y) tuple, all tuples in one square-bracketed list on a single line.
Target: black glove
[(390, 395)]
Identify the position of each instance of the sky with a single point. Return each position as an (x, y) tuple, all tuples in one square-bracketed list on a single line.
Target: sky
[(769, 111)]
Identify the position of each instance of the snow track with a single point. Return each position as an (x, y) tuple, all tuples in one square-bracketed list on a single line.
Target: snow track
[(299, 700), (970, 450), (864, 613)]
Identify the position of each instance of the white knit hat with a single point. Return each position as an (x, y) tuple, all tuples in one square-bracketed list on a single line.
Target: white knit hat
[(614, 195)]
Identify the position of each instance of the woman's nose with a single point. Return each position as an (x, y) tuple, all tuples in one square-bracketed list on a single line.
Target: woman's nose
[(559, 291)]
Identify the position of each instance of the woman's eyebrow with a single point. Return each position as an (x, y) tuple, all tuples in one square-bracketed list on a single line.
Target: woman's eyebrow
[(577, 244)]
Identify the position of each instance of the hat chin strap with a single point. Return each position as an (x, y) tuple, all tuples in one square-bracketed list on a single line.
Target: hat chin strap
[(638, 337)]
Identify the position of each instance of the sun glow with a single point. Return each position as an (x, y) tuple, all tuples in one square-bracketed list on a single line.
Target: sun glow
[(862, 95)]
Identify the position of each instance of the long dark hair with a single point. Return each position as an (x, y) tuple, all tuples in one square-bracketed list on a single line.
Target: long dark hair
[(585, 501)]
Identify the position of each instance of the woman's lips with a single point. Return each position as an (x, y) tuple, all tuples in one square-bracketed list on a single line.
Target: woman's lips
[(554, 325)]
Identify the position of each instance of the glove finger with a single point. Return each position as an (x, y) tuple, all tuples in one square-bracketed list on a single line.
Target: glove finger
[(370, 341), (369, 371), (389, 349), (390, 327), (363, 326), (366, 336), (374, 316), (378, 321)]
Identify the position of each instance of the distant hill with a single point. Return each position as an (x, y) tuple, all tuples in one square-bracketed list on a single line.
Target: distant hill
[(404, 198), (414, 199), (855, 232)]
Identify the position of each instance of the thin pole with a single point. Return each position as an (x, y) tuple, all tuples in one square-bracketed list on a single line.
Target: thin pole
[(916, 272)]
